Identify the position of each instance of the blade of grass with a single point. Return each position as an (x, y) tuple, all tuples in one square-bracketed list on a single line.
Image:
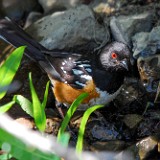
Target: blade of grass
[(25, 104), (9, 68), (38, 111), (6, 107), (45, 96), (64, 139), (87, 113), (69, 114)]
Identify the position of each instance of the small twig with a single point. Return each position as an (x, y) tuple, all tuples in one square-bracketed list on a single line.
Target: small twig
[(157, 94)]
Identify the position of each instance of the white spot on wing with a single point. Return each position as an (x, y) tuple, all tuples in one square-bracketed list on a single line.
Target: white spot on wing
[(81, 84), (86, 77), (84, 65), (76, 71), (88, 69)]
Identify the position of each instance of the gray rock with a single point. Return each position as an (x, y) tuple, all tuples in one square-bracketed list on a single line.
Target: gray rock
[(32, 17), (58, 4), (140, 41), (75, 28), (124, 27), (146, 44)]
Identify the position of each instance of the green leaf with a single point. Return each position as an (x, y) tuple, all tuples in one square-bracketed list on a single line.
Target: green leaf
[(9, 68), (69, 114), (20, 150), (45, 96), (25, 104), (87, 113), (64, 139), (6, 107), (38, 111)]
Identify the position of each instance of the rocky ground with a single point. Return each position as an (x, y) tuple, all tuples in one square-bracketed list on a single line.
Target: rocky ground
[(132, 121)]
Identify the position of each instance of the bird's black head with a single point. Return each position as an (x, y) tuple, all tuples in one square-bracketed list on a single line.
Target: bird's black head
[(115, 57)]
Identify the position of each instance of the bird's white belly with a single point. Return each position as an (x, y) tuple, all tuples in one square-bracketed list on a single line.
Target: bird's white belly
[(103, 99)]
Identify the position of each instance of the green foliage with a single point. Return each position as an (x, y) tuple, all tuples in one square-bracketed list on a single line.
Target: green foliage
[(7, 73), (9, 68), (6, 107), (35, 109), (87, 113), (20, 150), (25, 104), (70, 112)]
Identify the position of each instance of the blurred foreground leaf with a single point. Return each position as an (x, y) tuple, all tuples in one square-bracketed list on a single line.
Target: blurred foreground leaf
[(20, 150)]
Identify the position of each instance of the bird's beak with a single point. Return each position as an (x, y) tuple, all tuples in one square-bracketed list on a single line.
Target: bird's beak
[(124, 64)]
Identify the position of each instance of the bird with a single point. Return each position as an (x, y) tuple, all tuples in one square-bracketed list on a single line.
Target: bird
[(100, 74)]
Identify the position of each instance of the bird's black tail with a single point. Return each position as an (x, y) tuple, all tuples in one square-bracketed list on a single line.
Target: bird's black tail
[(15, 35)]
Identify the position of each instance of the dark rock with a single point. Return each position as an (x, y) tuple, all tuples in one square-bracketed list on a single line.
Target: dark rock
[(124, 27), (148, 126), (131, 99), (75, 28), (132, 120), (18, 9), (106, 132), (109, 145)]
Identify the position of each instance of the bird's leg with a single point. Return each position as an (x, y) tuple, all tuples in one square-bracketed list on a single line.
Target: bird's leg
[(59, 108)]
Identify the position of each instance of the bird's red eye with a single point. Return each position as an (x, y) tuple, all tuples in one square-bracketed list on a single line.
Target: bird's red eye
[(114, 55)]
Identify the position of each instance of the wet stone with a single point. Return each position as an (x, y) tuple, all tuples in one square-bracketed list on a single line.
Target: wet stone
[(149, 70), (148, 147), (102, 131)]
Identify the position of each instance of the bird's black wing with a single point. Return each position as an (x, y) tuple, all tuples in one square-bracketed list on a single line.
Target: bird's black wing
[(74, 69)]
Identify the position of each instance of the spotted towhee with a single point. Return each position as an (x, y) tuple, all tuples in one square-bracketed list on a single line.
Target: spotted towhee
[(100, 74)]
